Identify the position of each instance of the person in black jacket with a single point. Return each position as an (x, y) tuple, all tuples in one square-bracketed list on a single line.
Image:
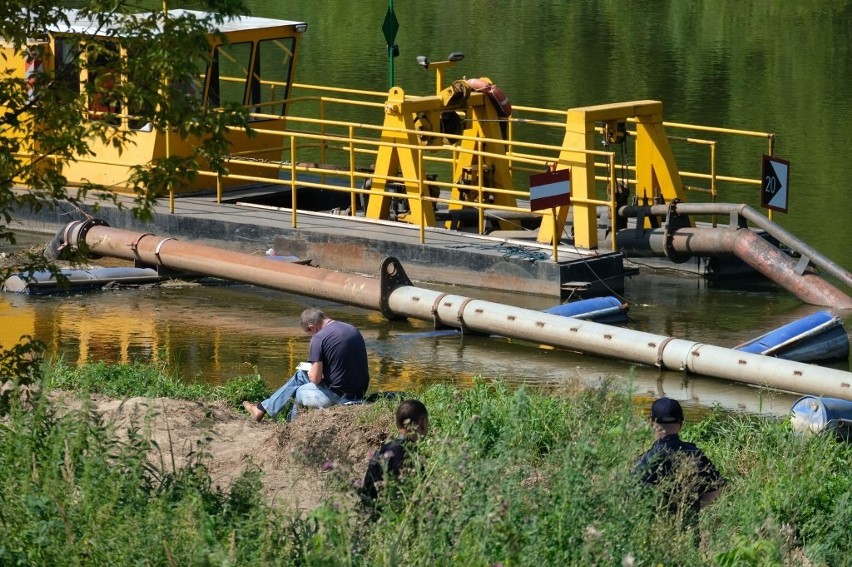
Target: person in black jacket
[(412, 422), (688, 479)]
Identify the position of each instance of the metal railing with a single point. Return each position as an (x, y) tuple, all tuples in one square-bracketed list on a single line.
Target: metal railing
[(311, 145), (357, 142), (360, 140)]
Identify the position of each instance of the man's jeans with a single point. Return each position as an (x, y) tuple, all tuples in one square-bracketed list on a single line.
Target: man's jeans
[(304, 391)]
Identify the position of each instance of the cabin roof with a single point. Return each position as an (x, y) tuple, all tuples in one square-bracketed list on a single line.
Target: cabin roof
[(79, 24)]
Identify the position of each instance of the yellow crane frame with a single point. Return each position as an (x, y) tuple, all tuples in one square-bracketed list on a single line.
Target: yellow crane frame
[(656, 171), (400, 154)]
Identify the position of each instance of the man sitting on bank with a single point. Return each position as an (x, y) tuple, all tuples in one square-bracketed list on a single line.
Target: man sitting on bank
[(338, 370)]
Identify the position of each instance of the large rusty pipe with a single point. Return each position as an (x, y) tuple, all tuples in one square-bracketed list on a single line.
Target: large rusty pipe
[(154, 250), (755, 217), (692, 241), (745, 245), (471, 314), (624, 344), (779, 267)]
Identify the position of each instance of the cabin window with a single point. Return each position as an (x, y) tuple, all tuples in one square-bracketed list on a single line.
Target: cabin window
[(229, 74), (67, 69), (103, 65), (270, 84), (140, 104)]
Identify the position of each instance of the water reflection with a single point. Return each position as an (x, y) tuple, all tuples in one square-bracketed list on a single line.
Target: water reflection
[(213, 333)]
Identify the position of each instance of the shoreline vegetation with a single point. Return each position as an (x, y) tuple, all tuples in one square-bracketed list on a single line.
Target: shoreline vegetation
[(511, 476)]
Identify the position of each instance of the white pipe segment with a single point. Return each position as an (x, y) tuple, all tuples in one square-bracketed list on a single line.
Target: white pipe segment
[(466, 313), (760, 370), (615, 342)]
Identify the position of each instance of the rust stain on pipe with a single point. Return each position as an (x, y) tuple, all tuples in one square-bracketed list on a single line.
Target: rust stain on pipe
[(749, 247), (780, 268), (154, 250), (492, 318)]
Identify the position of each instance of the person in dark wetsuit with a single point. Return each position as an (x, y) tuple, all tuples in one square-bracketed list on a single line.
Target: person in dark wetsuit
[(412, 422), (336, 373), (688, 479)]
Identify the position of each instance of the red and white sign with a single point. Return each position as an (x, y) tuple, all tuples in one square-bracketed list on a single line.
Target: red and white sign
[(550, 189)]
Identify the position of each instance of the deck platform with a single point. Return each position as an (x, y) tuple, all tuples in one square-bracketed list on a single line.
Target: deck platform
[(511, 261)]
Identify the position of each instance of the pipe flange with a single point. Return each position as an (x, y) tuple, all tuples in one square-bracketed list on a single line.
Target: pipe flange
[(62, 241), (688, 355), (436, 319), (661, 348), (691, 354), (134, 246), (67, 235), (460, 315), (392, 276), (76, 236), (674, 221), (159, 246)]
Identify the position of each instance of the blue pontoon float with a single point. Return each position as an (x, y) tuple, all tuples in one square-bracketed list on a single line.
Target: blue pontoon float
[(609, 310), (45, 282), (816, 338)]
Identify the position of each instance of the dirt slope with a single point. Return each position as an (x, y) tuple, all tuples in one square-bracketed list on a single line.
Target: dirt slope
[(301, 461)]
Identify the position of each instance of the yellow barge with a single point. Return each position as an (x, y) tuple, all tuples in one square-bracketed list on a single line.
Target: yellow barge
[(461, 158), (86, 52)]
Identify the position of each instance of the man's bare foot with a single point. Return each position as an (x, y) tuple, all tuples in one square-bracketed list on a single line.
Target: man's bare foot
[(256, 413)]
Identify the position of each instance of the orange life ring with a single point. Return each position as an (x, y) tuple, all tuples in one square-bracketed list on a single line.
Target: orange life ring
[(501, 101), (96, 104)]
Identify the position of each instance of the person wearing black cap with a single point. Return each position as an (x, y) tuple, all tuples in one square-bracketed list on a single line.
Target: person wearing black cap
[(688, 479)]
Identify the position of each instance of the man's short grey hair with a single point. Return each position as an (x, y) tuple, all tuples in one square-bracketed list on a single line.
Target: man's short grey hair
[(312, 316)]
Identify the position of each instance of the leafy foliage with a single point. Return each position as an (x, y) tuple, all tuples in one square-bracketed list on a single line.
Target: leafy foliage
[(19, 371), (47, 116)]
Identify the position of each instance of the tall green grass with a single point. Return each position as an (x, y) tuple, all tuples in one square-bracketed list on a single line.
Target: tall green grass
[(75, 495), (137, 379), (509, 476), (514, 477)]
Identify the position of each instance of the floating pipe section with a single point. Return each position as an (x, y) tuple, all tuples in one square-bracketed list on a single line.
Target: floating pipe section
[(625, 344), (401, 300), (743, 243), (44, 282)]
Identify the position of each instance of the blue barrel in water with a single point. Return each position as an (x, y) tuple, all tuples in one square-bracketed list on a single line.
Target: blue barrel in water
[(813, 414)]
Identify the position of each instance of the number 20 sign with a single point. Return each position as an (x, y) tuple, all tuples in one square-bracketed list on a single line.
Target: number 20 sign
[(775, 188)]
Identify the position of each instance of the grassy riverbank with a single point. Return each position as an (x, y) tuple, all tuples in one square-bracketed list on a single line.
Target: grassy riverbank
[(510, 477)]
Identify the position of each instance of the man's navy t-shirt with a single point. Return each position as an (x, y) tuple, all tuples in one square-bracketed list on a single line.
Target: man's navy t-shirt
[(341, 349)]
